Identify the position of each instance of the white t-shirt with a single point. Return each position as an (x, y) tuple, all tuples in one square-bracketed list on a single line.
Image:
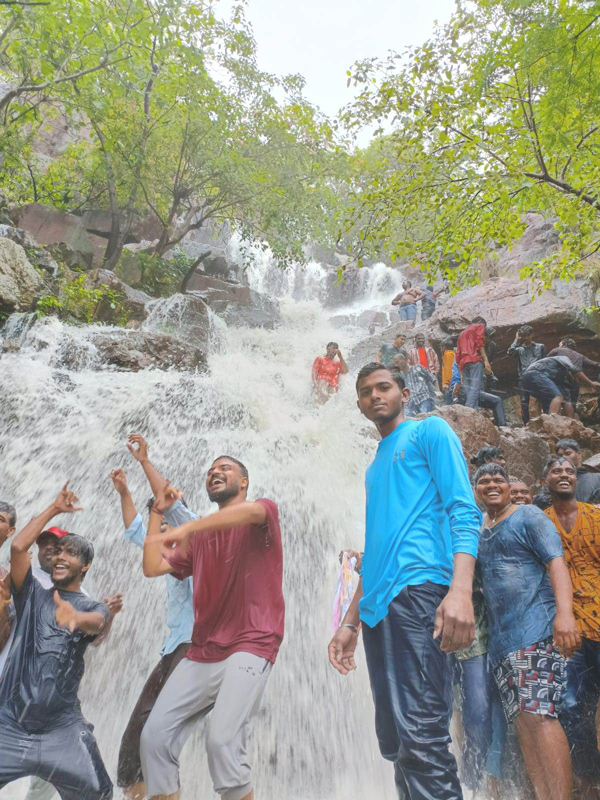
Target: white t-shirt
[(46, 581)]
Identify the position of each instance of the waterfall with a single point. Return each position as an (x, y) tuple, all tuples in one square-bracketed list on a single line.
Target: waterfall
[(69, 418)]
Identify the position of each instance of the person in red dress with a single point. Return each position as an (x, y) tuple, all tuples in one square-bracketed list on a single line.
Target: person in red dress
[(326, 372)]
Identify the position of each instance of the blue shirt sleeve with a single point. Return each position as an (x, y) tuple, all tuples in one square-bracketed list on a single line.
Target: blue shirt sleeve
[(136, 532), (178, 514), (444, 455), (540, 535)]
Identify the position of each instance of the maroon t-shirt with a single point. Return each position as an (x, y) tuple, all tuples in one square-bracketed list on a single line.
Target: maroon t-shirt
[(238, 599)]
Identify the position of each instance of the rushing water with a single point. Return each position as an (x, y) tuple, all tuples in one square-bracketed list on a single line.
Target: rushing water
[(314, 739)]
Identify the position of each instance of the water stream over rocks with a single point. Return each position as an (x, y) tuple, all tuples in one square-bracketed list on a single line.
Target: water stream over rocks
[(68, 417)]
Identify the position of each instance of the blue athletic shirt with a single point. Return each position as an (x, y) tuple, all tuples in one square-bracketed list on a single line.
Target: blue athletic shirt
[(420, 511)]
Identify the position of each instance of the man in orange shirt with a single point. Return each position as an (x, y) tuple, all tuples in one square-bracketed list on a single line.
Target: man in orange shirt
[(579, 527), (326, 372), (448, 359)]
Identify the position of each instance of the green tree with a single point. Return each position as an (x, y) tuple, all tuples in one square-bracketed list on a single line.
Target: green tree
[(498, 114)]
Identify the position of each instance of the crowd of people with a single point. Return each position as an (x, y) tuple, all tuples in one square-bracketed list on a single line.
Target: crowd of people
[(469, 585)]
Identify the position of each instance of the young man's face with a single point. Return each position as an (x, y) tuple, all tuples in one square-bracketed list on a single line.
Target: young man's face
[(224, 480), (527, 338), (399, 342), (331, 350), (46, 548), (380, 398), (420, 340), (561, 480), (6, 529), (66, 564), (493, 491), (574, 456), (520, 494)]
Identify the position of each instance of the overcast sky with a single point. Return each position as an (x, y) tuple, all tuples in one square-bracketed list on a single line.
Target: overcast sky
[(320, 39)]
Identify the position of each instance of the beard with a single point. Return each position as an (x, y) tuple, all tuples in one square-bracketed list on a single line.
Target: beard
[(222, 495), (66, 580)]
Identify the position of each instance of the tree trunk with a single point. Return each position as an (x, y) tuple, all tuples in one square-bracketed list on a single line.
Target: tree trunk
[(191, 271)]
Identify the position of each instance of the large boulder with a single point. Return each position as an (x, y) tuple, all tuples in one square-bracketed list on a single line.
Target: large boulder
[(134, 300), (132, 351), (473, 428), (184, 316), (49, 226), (19, 280), (539, 240), (553, 427), (526, 453), (237, 305)]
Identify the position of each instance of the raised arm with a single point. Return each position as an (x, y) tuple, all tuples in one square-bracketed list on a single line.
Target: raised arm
[(138, 448), (582, 378), (344, 369), (566, 636), (20, 560), (128, 509)]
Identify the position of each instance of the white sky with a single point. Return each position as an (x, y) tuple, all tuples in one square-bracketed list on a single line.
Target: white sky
[(321, 39)]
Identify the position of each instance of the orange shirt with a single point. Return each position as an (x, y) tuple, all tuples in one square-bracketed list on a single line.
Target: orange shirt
[(447, 364), (582, 556), (327, 369)]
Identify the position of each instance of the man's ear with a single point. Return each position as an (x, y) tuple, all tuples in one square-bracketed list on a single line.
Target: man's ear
[(11, 531), (85, 568)]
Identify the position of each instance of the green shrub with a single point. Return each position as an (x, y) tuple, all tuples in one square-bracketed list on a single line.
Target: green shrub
[(83, 303)]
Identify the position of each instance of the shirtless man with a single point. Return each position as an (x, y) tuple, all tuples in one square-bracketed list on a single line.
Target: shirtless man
[(407, 302)]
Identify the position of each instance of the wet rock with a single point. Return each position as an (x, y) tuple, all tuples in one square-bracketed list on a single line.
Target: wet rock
[(526, 453), (539, 240), (473, 428), (553, 427), (132, 350), (184, 316), (237, 305), (366, 350), (134, 300), (48, 226), (19, 280)]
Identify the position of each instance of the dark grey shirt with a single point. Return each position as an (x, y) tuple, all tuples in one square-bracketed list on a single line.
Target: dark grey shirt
[(41, 679), (526, 356), (587, 484), (388, 351), (578, 359), (557, 368)]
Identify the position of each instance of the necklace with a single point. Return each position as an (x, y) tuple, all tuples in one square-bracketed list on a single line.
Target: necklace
[(500, 515)]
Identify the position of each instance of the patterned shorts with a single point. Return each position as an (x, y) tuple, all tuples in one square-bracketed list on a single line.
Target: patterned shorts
[(532, 679)]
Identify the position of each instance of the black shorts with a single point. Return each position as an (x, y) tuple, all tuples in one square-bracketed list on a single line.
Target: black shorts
[(129, 770), (67, 757)]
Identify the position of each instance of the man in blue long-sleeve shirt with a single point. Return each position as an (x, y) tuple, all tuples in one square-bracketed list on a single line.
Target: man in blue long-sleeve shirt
[(414, 597), (180, 621)]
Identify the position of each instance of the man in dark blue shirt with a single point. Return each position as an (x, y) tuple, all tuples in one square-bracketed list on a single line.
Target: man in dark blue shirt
[(42, 729)]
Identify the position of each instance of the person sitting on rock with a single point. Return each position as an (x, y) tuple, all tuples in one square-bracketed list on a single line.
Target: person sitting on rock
[(472, 360), (520, 495), (531, 627), (326, 373), (425, 356), (388, 351), (587, 482), (548, 381), (407, 300), (579, 527), (489, 455), (527, 352), (420, 382), (566, 348)]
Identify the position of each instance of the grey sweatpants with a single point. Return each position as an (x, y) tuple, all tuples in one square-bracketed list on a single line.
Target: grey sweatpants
[(232, 689)]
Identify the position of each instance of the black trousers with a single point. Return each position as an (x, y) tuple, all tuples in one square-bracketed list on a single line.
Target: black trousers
[(411, 681)]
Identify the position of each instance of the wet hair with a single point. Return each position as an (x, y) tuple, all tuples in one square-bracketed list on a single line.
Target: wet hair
[(486, 455), (85, 549), (449, 344), (567, 444), (567, 343), (243, 468), (542, 499), (513, 479), (556, 460), (400, 336), (526, 330), (368, 369), (490, 469), (329, 344), (479, 320), (6, 508)]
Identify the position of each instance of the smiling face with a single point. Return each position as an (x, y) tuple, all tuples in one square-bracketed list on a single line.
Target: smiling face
[(493, 491), (520, 494), (380, 398), (6, 528), (46, 548), (67, 564), (561, 479), (225, 481)]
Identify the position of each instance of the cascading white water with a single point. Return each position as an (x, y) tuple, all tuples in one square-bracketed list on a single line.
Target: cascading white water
[(315, 738)]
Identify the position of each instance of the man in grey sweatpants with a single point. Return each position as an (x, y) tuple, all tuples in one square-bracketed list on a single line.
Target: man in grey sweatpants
[(235, 559)]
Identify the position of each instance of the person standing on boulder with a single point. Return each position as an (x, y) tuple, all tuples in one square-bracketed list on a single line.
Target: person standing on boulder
[(406, 302), (326, 372), (527, 352), (425, 356), (579, 527), (235, 559), (448, 359), (472, 360), (587, 482), (414, 598), (387, 352)]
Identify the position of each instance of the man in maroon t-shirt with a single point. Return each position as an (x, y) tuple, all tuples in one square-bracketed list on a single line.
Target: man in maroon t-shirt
[(472, 360), (236, 561)]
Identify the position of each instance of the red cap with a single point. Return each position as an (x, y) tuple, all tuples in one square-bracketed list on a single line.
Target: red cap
[(55, 531)]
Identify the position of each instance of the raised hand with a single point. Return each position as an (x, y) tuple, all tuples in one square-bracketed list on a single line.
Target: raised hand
[(66, 500), (114, 603), (137, 446), (119, 479), (166, 497), (66, 616)]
